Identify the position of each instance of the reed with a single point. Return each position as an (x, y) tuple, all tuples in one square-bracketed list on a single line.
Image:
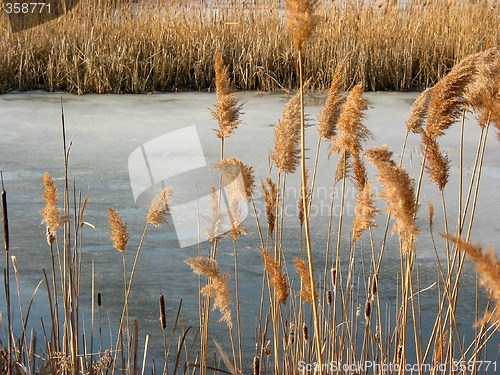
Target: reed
[(143, 47)]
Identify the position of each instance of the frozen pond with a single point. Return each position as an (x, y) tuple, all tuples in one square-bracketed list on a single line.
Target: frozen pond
[(106, 130)]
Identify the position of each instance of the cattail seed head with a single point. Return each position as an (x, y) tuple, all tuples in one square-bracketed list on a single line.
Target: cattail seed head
[(256, 366), (333, 273), (163, 321), (329, 298), (374, 287), (305, 332), (368, 309), (431, 214), (99, 301)]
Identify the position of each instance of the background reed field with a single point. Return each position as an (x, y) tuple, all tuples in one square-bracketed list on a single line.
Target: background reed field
[(147, 46)]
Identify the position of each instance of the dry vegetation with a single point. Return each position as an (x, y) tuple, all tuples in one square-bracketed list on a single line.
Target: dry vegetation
[(306, 316), (126, 47)]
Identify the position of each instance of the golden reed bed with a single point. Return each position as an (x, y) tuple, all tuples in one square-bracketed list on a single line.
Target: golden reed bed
[(141, 47)]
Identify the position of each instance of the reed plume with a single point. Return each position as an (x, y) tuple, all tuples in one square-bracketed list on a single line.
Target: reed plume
[(271, 200), (301, 20), (160, 207), (52, 215), (118, 233), (488, 266), (418, 112), (329, 116), (277, 278), (303, 271), (447, 100), (218, 287), (226, 111), (286, 153), (437, 164), (215, 229), (365, 211), (399, 193), (231, 169)]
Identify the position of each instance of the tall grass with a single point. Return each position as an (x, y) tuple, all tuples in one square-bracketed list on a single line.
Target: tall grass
[(143, 47), (309, 319)]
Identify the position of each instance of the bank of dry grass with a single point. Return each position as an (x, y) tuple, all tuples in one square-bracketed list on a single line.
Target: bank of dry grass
[(163, 46)]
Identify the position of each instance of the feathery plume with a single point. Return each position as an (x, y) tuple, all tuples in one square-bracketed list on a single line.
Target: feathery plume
[(301, 20), (226, 111), (52, 216), (447, 100), (215, 232), (160, 207), (218, 286), (271, 199), (437, 165), (329, 116), (418, 113), (118, 233), (231, 168), (488, 266), (286, 153), (365, 211), (303, 271), (276, 277), (399, 193)]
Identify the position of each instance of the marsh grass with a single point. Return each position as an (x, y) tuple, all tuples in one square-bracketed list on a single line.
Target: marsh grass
[(142, 47), (306, 315)]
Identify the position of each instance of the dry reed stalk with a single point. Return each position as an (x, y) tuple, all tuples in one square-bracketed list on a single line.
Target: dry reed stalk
[(301, 199), (226, 111), (418, 113), (399, 193), (365, 211), (118, 233), (52, 216), (329, 116), (277, 278), (270, 197), (286, 153), (303, 271), (437, 164), (159, 208), (488, 266), (231, 169), (217, 288)]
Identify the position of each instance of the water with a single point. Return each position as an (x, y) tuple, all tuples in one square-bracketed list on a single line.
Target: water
[(105, 129)]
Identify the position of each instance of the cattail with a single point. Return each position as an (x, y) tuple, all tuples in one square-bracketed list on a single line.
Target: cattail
[(218, 288), (399, 193), (365, 211), (226, 111), (368, 309), (488, 266), (160, 207), (437, 164), (51, 214), (418, 112), (163, 321), (300, 202), (256, 366), (301, 20), (286, 153), (374, 287), (118, 233), (329, 116), (333, 275), (271, 199), (303, 271), (231, 169), (329, 298), (5, 216), (291, 335), (276, 277), (431, 214), (99, 301), (305, 332)]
